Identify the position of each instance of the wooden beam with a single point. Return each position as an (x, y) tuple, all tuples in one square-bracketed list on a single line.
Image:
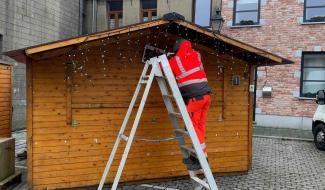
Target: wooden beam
[(52, 53), (233, 42), (97, 43), (222, 56), (29, 72), (93, 37)]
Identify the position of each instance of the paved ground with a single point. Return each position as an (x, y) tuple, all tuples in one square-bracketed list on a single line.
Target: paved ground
[(283, 132), (277, 164)]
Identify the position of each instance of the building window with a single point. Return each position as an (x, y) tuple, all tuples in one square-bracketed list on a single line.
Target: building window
[(246, 12), (115, 13), (314, 11), (148, 10), (202, 12), (313, 74)]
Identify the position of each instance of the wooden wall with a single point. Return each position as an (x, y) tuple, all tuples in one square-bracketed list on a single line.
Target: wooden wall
[(63, 156), (5, 100)]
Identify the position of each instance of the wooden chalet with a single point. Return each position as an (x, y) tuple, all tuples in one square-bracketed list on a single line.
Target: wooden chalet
[(5, 100), (79, 90)]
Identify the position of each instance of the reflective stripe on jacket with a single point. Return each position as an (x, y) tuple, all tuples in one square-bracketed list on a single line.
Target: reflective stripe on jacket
[(189, 72), (187, 66)]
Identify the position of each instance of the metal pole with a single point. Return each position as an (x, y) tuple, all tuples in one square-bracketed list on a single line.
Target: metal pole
[(93, 26)]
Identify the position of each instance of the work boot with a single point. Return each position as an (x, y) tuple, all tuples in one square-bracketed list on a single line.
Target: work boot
[(192, 163), (197, 162)]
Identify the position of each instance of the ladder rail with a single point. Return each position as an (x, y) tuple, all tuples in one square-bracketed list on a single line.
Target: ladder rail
[(134, 127), (161, 73), (187, 120), (124, 124)]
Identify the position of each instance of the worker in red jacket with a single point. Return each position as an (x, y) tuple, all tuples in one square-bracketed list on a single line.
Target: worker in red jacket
[(193, 84)]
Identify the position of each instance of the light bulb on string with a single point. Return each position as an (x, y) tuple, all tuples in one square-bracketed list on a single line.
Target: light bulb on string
[(155, 36), (166, 37), (128, 42), (178, 32), (137, 44)]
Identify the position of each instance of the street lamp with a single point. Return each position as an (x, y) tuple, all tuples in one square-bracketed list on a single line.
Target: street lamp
[(217, 22)]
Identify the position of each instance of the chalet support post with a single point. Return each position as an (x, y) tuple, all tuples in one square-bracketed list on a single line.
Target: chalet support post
[(29, 69), (68, 82), (250, 115), (93, 37), (222, 117)]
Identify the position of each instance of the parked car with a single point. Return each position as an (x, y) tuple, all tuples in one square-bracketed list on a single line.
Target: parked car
[(319, 121)]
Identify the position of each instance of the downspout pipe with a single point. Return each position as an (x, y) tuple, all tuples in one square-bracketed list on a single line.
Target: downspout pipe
[(81, 12), (93, 27), (255, 90)]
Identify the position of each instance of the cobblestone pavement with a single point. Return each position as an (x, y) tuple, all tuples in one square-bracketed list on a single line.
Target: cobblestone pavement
[(277, 164)]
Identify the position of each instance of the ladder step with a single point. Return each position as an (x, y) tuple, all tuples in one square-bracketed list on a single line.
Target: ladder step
[(201, 182), (146, 77), (160, 77), (176, 114), (168, 96), (123, 137), (188, 149), (194, 173), (182, 131), (144, 81)]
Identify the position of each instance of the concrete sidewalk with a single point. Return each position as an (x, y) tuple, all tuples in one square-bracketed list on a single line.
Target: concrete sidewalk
[(297, 134)]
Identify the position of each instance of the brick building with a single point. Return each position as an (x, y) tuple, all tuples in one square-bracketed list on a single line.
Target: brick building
[(293, 29), (25, 23)]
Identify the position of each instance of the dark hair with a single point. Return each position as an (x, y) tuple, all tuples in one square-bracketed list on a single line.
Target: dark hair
[(177, 44)]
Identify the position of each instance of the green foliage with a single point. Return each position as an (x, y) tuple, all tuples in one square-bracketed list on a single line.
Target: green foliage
[(246, 22), (318, 19)]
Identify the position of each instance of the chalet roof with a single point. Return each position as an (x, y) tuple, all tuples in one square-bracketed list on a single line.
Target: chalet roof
[(209, 36)]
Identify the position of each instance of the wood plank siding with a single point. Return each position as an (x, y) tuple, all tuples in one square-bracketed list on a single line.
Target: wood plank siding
[(79, 89), (65, 156), (5, 100)]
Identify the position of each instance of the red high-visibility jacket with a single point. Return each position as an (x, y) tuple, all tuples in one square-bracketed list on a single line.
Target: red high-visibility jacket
[(189, 72)]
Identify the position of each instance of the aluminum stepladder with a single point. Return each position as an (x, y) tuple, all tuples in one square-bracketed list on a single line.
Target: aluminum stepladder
[(164, 77)]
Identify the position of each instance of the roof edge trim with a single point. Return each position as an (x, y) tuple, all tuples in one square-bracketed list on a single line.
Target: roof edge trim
[(92, 37)]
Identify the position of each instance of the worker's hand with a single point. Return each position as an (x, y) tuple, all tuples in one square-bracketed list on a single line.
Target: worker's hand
[(170, 54)]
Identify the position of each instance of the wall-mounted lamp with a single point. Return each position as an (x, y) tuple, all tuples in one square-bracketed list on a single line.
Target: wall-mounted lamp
[(217, 22)]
